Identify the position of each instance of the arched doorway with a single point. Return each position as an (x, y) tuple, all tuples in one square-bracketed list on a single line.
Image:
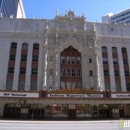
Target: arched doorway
[(70, 76)]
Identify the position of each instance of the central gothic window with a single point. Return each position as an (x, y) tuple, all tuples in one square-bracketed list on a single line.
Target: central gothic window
[(71, 76)]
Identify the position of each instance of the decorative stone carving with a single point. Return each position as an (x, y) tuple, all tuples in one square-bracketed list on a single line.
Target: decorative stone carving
[(62, 25), (97, 68), (27, 25), (45, 68), (80, 26), (71, 42)]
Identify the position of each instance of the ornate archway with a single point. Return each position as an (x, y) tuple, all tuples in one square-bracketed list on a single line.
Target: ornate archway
[(70, 65)]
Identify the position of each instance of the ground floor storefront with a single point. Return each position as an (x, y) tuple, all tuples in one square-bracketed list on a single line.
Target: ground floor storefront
[(65, 111), (64, 104)]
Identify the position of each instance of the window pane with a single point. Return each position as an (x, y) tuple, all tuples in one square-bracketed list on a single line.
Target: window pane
[(11, 70), (123, 50), (24, 58), (24, 46), (107, 86), (22, 70), (35, 58), (12, 58), (33, 85), (114, 50), (36, 46), (104, 49), (13, 45), (21, 85), (9, 84), (62, 60), (34, 71)]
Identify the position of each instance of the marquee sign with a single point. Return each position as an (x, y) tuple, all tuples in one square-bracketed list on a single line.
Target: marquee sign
[(75, 95), (18, 94), (120, 95)]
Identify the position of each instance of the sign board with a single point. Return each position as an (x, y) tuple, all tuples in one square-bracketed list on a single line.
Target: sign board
[(19, 94), (120, 95), (75, 95)]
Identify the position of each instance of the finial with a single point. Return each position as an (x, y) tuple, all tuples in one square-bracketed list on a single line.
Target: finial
[(83, 14), (57, 12), (124, 23), (33, 17)]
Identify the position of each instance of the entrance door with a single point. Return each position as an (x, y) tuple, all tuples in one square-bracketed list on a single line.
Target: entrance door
[(72, 114), (121, 113), (105, 113)]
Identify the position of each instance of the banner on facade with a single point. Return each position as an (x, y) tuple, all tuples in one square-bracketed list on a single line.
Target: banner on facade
[(75, 95), (120, 95), (16, 94)]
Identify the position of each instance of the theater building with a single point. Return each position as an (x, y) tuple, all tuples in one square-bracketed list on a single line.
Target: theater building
[(65, 68)]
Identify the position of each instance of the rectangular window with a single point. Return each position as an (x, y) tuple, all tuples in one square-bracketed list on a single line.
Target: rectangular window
[(114, 50), (11, 70), (21, 85), (123, 50), (24, 46), (91, 73), (105, 60), (35, 58), (73, 60), (90, 60), (34, 71), (62, 60), (118, 87), (78, 60), (9, 84), (125, 61), (24, 58), (128, 86), (68, 60), (73, 72), (78, 73), (116, 72), (104, 49), (33, 85), (126, 73), (22, 70), (13, 45), (12, 58), (106, 72), (68, 72), (107, 86), (63, 72), (115, 61), (35, 46)]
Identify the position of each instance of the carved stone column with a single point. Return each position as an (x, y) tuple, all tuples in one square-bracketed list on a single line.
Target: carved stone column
[(45, 63), (56, 69), (97, 69)]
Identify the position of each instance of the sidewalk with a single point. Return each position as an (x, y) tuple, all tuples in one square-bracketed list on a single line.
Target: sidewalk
[(58, 122)]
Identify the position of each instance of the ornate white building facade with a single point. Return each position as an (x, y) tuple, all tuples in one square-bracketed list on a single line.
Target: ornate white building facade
[(71, 64)]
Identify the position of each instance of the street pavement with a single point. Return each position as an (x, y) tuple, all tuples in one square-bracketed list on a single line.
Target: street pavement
[(59, 125)]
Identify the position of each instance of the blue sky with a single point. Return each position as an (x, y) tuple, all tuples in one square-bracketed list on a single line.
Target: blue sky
[(93, 9)]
